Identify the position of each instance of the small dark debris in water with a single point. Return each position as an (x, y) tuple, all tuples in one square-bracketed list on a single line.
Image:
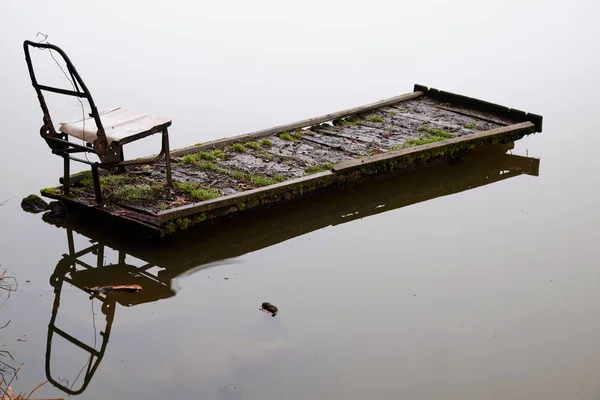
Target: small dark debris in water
[(27, 281), (270, 308), (226, 278), (116, 289), (230, 388), (34, 204)]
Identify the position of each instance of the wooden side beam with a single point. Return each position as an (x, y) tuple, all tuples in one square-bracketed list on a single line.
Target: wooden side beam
[(323, 178)]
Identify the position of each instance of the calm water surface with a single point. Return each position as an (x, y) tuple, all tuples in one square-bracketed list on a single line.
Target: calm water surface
[(473, 280)]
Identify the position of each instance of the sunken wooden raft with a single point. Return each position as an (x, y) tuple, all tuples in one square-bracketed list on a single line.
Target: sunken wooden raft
[(217, 178)]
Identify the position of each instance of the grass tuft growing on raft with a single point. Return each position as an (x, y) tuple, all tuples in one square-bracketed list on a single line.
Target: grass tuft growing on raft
[(134, 193), (471, 126), (239, 148), (374, 118), (261, 180), (197, 191), (253, 145), (254, 179), (208, 165), (124, 188), (314, 169), (437, 135), (266, 143), (266, 156), (298, 135), (427, 140), (203, 155), (436, 132), (107, 180), (50, 191), (286, 136), (352, 120)]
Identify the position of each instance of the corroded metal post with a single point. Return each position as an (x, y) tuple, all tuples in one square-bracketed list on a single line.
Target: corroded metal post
[(96, 180), (167, 157), (67, 175)]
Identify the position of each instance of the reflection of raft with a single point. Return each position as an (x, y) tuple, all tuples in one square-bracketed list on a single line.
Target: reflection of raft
[(233, 237), (404, 133), (157, 266)]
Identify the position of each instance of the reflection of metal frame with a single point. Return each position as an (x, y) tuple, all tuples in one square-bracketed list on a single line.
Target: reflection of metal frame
[(73, 270), (66, 266)]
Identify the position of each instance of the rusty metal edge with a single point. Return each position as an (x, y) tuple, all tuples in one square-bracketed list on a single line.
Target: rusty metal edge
[(513, 113)]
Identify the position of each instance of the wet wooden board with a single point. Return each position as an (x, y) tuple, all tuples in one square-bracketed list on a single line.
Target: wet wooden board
[(255, 170)]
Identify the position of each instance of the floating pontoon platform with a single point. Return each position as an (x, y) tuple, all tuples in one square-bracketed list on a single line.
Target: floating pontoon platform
[(255, 170)]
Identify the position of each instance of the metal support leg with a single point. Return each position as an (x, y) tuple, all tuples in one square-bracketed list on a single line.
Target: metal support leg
[(96, 184), (67, 176), (167, 157), (121, 159), (100, 255), (70, 241), (122, 256)]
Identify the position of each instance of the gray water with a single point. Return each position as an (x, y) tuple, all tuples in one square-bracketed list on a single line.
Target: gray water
[(466, 281)]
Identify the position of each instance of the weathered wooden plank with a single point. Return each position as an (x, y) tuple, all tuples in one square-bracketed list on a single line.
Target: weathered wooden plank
[(351, 135), (340, 144), (310, 153), (383, 139), (524, 127), (296, 125), (426, 121), (327, 177), (473, 114)]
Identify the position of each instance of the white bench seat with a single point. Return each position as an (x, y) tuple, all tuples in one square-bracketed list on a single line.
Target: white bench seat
[(119, 124)]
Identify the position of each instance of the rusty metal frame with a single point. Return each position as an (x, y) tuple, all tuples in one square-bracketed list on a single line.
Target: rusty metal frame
[(110, 154)]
